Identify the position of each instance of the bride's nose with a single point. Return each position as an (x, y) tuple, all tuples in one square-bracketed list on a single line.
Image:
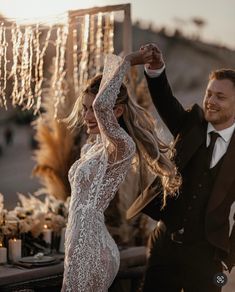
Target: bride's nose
[(89, 115)]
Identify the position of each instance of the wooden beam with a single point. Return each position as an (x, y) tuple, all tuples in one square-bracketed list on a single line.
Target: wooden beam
[(95, 10), (69, 60), (73, 14)]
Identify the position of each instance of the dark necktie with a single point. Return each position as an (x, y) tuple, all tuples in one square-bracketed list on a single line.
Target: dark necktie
[(210, 148)]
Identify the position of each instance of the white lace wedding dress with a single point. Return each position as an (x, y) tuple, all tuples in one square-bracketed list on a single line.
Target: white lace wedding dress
[(91, 255)]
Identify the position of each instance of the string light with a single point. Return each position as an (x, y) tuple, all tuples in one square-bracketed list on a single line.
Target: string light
[(23, 76), (75, 62), (39, 67), (3, 56), (91, 66), (16, 42), (99, 36), (108, 33), (84, 50)]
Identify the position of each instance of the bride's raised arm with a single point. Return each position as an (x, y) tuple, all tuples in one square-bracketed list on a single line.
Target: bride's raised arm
[(117, 142)]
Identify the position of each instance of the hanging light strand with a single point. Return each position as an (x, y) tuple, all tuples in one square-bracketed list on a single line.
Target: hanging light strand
[(91, 65), (84, 47), (1, 55), (62, 72), (59, 67), (92, 37), (29, 80), (110, 33), (36, 69), (75, 61), (3, 73), (56, 61), (26, 97), (56, 67), (16, 43), (39, 66), (99, 36)]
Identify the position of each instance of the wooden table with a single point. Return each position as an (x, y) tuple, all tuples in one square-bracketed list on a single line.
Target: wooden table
[(40, 279)]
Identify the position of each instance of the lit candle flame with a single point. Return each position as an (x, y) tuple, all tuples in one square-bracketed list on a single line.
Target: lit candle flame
[(45, 226)]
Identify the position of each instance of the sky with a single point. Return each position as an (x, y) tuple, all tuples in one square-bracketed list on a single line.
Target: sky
[(219, 15)]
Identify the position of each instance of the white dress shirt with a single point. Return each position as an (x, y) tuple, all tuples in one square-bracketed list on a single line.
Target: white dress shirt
[(221, 143), (154, 73)]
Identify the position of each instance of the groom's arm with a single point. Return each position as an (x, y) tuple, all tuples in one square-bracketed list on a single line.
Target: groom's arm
[(169, 108)]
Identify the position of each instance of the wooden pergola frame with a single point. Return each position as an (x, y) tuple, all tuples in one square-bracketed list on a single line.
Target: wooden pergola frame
[(127, 34)]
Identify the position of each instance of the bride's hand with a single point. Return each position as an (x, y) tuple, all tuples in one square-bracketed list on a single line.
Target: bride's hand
[(139, 57), (156, 62)]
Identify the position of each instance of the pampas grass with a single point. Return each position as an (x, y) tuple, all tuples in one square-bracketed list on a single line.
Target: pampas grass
[(54, 156), (57, 149)]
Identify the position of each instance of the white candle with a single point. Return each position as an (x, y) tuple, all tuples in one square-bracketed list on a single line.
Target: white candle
[(3, 254), (47, 234), (14, 249), (62, 240)]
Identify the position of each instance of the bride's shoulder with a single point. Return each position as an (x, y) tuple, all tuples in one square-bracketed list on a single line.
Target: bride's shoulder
[(89, 144)]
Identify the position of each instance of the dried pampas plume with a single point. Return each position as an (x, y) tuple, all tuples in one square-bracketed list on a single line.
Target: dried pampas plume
[(56, 147)]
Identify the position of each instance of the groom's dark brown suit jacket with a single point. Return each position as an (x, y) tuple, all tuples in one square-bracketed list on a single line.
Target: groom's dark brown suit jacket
[(190, 129)]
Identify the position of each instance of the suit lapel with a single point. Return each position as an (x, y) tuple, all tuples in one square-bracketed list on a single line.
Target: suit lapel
[(224, 180), (153, 190), (190, 143)]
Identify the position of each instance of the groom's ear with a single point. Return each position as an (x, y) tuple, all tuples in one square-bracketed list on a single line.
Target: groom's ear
[(118, 110)]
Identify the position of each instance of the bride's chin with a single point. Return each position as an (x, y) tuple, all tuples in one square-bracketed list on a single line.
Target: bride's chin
[(93, 131)]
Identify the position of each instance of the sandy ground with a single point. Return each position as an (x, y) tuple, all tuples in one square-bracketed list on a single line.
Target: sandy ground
[(16, 164)]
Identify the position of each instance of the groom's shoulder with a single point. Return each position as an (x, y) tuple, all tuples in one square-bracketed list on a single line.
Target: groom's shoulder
[(194, 116), (195, 113)]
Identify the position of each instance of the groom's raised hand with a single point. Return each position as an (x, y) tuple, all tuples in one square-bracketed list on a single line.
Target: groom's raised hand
[(140, 57), (155, 60)]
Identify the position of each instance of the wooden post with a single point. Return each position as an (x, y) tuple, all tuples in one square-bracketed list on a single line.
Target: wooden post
[(72, 15), (69, 59), (127, 30)]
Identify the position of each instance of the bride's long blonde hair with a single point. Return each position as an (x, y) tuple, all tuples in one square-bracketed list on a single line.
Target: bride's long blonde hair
[(141, 126)]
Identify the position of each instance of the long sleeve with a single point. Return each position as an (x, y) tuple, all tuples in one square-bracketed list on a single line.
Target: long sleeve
[(169, 108), (115, 139)]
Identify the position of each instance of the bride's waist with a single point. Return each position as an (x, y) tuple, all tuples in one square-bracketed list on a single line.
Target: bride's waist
[(86, 210)]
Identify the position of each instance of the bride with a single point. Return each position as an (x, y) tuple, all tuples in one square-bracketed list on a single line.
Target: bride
[(123, 129)]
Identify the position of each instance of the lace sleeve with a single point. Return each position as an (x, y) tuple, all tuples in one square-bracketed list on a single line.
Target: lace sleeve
[(118, 143)]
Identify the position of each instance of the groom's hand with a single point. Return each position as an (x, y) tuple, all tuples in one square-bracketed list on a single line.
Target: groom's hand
[(140, 57), (156, 60)]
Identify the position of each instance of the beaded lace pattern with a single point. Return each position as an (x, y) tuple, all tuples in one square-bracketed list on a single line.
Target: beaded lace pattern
[(91, 255)]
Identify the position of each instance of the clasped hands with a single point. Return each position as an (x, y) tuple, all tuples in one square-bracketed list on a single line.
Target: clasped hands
[(148, 54)]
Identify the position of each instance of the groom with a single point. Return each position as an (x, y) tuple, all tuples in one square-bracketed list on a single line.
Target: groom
[(193, 241)]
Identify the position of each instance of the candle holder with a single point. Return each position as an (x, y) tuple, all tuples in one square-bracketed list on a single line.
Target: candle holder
[(3, 252), (47, 236), (55, 242), (14, 249), (62, 240)]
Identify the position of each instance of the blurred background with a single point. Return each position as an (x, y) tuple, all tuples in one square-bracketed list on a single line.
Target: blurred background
[(195, 37)]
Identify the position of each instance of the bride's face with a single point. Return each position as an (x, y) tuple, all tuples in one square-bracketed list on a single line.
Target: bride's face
[(88, 114)]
